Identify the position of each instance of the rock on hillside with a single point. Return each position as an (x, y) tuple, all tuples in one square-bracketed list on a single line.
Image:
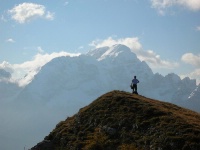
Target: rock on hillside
[(123, 121)]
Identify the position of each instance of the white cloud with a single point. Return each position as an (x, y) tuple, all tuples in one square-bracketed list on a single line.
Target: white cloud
[(25, 72), (10, 40), (162, 5), (25, 12), (198, 28), (192, 59), (133, 43), (193, 75), (50, 16), (155, 61)]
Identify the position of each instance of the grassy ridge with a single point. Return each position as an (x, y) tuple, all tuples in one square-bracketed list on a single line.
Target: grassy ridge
[(123, 121)]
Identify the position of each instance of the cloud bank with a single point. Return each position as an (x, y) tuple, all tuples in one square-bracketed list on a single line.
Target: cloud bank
[(162, 5), (25, 12), (192, 59)]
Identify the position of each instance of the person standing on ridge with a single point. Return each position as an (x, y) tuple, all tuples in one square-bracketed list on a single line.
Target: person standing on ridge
[(134, 85)]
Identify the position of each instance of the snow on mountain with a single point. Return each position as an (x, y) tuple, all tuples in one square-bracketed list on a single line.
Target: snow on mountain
[(195, 94), (193, 101), (118, 51), (97, 53), (65, 84), (183, 91)]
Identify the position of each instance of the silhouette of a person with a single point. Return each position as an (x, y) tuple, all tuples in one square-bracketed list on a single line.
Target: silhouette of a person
[(134, 85)]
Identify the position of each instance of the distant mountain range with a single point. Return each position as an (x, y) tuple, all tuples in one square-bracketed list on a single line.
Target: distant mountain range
[(105, 69), (123, 121), (66, 84)]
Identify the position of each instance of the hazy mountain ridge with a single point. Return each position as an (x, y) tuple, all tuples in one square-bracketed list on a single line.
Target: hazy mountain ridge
[(85, 73), (66, 84), (107, 68), (123, 121)]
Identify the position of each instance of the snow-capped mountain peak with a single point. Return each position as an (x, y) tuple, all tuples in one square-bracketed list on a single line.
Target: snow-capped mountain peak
[(115, 51), (112, 52), (98, 52)]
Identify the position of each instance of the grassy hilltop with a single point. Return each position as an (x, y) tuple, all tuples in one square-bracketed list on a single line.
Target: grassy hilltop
[(122, 121)]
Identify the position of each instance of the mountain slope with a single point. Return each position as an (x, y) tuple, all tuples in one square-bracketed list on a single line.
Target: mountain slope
[(120, 120), (193, 101)]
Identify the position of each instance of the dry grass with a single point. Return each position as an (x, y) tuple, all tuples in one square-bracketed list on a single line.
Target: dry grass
[(120, 120)]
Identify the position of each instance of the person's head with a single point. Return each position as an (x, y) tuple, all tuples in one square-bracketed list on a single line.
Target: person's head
[(134, 77)]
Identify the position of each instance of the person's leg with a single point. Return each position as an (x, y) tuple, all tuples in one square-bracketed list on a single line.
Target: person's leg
[(136, 88)]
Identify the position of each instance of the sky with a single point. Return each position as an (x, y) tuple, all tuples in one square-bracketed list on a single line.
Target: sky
[(164, 33)]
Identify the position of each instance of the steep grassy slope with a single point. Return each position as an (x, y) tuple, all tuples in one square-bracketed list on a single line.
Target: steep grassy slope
[(123, 121)]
